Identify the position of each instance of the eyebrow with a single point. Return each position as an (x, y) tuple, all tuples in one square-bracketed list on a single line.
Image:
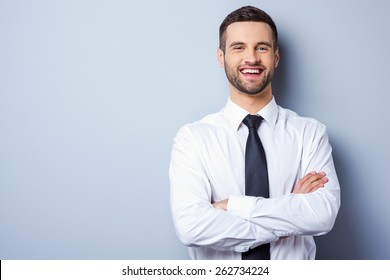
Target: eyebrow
[(258, 44)]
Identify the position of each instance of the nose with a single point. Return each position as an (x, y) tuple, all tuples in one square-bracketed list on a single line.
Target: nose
[(251, 57)]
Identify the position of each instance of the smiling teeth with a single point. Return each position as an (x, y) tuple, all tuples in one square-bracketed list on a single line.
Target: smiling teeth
[(251, 71)]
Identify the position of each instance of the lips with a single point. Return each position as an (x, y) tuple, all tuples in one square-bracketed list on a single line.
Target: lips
[(251, 71)]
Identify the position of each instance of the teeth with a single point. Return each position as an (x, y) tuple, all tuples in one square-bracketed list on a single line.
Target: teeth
[(251, 71)]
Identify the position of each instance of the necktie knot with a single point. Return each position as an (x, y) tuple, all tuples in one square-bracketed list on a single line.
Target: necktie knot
[(252, 121)]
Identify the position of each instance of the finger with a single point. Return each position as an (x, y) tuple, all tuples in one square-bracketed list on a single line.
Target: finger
[(320, 183), (310, 182), (305, 180), (301, 183), (314, 183), (315, 178), (307, 177)]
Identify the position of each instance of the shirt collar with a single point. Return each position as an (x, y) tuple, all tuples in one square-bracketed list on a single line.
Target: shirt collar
[(235, 114)]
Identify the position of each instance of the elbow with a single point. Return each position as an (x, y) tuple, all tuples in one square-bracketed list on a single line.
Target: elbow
[(189, 236), (325, 225), (186, 238), (325, 222), (188, 229), (323, 214)]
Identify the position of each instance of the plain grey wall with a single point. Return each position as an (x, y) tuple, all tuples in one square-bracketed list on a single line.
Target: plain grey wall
[(93, 92)]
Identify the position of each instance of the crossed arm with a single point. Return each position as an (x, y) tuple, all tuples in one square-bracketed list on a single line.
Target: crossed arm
[(309, 183), (198, 224)]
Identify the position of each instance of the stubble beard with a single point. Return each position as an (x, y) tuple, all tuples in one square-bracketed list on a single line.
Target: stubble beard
[(250, 89)]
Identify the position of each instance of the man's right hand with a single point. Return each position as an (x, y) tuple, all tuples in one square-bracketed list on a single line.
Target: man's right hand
[(310, 183)]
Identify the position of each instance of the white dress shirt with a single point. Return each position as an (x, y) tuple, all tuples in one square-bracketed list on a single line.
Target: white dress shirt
[(208, 165)]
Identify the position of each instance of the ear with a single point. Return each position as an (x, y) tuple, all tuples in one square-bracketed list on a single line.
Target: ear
[(220, 57), (277, 57)]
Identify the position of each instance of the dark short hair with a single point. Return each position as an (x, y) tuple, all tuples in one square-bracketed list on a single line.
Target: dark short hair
[(247, 13)]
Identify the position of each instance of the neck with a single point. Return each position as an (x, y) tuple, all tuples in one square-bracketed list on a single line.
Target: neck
[(252, 104)]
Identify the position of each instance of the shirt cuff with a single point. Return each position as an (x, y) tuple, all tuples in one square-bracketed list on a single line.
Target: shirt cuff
[(241, 206)]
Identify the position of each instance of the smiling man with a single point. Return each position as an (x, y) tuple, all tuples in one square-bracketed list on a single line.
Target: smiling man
[(255, 180)]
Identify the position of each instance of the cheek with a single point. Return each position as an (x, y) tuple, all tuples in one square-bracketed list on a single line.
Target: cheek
[(270, 62), (230, 68), (232, 61)]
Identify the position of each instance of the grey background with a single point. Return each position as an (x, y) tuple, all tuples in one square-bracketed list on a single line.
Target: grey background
[(85, 87)]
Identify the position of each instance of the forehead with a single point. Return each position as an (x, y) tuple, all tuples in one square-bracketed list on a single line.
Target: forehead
[(248, 31)]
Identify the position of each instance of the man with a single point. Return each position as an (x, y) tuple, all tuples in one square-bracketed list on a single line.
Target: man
[(212, 211)]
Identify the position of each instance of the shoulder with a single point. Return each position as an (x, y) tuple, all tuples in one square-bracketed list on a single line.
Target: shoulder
[(293, 120), (308, 130), (207, 124), (202, 130)]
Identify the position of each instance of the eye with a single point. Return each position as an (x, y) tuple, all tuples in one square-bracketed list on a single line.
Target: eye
[(262, 48)]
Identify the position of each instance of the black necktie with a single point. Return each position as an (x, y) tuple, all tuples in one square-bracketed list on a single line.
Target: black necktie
[(256, 177)]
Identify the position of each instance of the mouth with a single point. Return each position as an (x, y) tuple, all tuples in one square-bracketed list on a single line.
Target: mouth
[(251, 72)]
